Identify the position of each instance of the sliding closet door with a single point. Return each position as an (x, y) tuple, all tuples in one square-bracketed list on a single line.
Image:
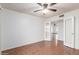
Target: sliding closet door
[(69, 32)]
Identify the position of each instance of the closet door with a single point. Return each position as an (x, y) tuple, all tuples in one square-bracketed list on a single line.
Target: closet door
[(69, 32)]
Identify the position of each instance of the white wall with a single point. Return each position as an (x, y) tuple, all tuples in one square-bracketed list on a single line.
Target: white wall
[(20, 29), (0, 39), (69, 14), (0, 36)]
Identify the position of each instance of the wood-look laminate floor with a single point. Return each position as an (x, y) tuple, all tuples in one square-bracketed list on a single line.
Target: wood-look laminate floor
[(42, 48)]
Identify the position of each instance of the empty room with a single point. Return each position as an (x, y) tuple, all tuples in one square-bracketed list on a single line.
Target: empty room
[(39, 28)]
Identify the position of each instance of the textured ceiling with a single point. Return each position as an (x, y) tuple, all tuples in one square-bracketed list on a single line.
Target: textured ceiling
[(30, 7)]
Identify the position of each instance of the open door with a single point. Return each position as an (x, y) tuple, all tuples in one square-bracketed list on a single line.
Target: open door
[(69, 32)]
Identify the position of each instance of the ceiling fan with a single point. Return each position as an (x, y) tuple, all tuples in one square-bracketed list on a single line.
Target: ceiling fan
[(45, 7)]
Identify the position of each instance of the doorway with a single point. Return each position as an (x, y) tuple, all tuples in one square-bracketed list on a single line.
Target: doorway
[(58, 30), (54, 31), (69, 24)]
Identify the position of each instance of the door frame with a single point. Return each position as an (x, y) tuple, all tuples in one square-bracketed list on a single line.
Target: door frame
[(61, 20), (73, 22)]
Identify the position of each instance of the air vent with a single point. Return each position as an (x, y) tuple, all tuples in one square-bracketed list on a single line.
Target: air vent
[(61, 15)]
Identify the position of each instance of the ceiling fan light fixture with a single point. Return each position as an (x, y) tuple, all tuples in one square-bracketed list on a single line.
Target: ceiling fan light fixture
[(45, 11)]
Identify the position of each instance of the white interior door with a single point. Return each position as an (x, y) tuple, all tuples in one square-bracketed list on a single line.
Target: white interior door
[(69, 32)]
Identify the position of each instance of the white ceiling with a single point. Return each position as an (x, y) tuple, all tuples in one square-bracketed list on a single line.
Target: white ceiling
[(30, 7)]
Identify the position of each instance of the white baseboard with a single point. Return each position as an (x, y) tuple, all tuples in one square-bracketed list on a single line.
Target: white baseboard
[(21, 45)]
